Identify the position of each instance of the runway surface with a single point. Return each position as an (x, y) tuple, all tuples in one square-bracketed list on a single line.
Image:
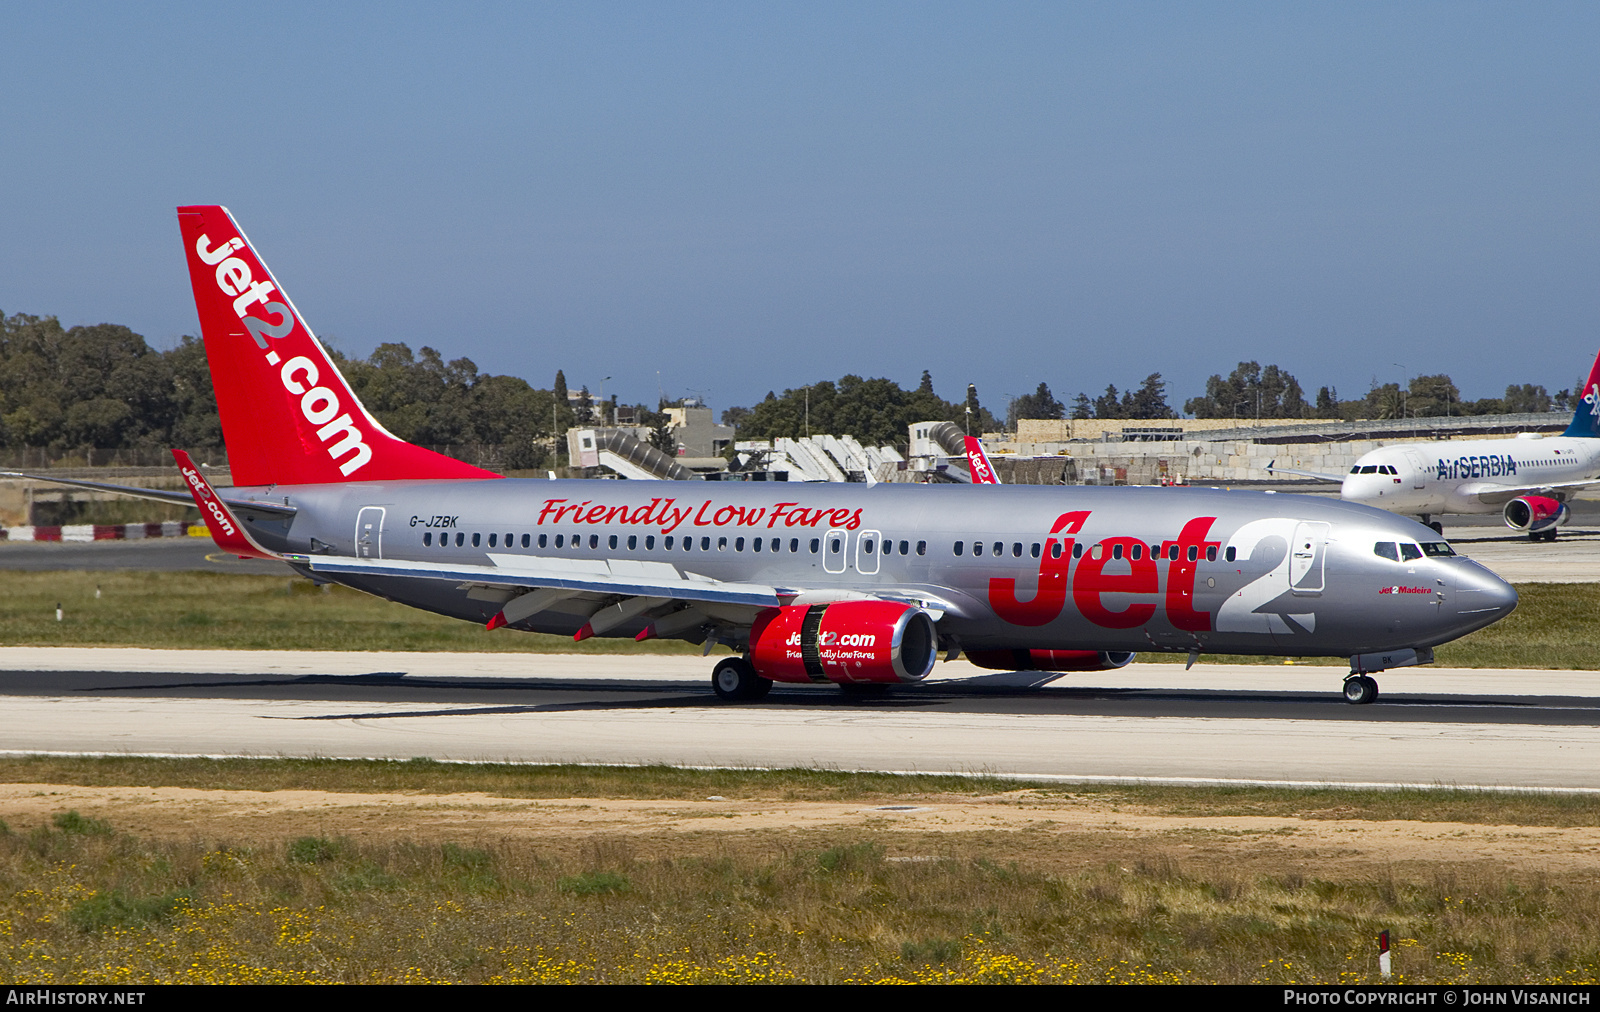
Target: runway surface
[(1151, 722)]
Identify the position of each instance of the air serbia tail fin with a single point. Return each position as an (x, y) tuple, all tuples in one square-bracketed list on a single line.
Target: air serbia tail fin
[(288, 417), (978, 462), (1584, 421)]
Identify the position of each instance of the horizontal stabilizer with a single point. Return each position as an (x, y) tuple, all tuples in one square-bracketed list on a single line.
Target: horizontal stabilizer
[(157, 494), (1337, 479)]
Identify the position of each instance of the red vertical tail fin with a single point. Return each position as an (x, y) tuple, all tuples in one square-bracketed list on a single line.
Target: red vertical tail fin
[(288, 416)]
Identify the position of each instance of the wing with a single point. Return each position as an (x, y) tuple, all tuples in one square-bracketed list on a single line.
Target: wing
[(1491, 494), (667, 599), (1335, 478), (183, 498)]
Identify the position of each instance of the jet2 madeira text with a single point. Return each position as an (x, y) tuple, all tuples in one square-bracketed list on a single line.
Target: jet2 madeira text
[(1526, 479), (851, 584)]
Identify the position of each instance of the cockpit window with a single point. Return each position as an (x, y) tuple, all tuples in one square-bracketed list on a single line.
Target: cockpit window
[(1355, 470), (1388, 469), (1408, 551), (1437, 549), (1370, 469), (1386, 550)]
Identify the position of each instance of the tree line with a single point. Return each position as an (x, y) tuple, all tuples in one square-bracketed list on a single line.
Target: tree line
[(102, 386)]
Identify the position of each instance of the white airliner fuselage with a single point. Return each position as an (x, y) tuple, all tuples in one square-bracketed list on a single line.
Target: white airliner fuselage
[(1527, 478), (1471, 476)]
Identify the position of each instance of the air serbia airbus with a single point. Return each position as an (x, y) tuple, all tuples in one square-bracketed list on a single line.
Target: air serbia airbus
[(1526, 479), (857, 585)]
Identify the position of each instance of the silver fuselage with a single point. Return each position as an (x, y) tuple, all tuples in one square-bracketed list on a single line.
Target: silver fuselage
[(1271, 574)]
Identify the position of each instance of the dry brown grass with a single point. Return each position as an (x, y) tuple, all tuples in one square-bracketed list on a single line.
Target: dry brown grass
[(214, 897)]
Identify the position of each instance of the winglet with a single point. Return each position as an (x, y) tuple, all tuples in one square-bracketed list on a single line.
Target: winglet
[(978, 462), (225, 528)]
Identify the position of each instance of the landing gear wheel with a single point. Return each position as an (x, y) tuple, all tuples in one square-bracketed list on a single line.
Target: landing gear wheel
[(1360, 690), (1438, 528), (735, 680)]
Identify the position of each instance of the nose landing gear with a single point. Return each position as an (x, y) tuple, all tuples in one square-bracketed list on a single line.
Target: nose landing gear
[(1360, 689)]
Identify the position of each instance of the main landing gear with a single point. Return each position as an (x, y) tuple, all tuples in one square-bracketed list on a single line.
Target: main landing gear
[(1549, 535), (1360, 689), (735, 680), (1433, 525)]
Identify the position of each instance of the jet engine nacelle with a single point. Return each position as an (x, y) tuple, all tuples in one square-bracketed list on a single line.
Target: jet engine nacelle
[(1534, 513), (845, 641), (1049, 660)]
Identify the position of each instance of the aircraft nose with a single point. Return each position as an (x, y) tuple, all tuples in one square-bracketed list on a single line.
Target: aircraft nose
[(1480, 596)]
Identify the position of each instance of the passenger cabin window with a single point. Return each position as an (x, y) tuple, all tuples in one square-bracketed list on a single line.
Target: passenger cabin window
[(977, 548), (427, 538), (922, 548), (1386, 550), (1211, 553), (461, 539), (543, 543), (956, 548), (667, 542), (866, 546), (816, 543), (1233, 554), (492, 539)]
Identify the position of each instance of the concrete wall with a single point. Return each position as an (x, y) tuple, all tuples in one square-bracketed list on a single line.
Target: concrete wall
[(1193, 461), (1051, 430)]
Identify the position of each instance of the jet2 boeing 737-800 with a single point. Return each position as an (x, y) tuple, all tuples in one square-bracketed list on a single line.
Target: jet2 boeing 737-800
[(1526, 479), (850, 584)]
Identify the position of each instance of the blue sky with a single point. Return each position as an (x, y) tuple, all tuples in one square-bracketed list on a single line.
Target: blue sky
[(745, 197)]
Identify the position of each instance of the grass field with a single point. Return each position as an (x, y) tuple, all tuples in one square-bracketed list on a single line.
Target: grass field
[(83, 900), (1553, 626)]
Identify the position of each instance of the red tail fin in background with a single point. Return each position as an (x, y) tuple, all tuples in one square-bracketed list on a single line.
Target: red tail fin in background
[(978, 462), (288, 417)]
